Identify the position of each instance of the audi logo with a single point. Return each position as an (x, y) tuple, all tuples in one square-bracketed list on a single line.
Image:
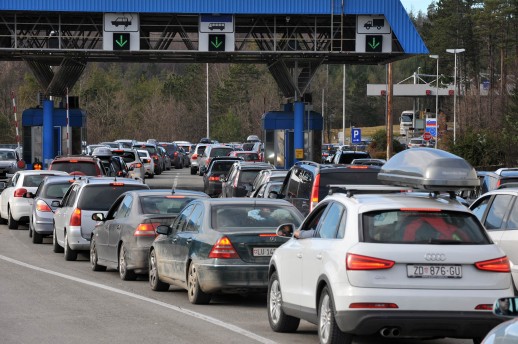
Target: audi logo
[(435, 257), (273, 238)]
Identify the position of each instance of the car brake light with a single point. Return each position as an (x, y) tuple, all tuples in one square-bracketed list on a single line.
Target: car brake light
[(358, 167), (138, 165), (358, 262), (117, 184), (75, 219), (495, 265), (146, 229), (223, 249), (314, 193), (174, 196), (194, 156), (20, 192), (372, 305), (117, 151), (155, 157), (498, 182), (213, 178), (42, 206), (72, 161), (429, 210), (268, 235), (175, 154)]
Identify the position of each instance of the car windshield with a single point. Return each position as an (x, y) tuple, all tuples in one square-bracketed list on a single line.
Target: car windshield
[(223, 151), (423, 227), (164, 204), (230, 216), (101, 197), (7, 155), (85, 167)]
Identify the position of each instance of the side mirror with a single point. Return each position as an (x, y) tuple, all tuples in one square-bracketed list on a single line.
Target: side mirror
[(56, 204), (98, 217), (131, 168), (286, 230), (164, 230)]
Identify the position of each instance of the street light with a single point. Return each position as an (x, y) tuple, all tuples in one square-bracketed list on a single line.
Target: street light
[(436, 100), (455, 52)]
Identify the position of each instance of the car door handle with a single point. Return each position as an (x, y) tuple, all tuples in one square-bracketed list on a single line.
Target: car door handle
[(319, 257), (299, 255)]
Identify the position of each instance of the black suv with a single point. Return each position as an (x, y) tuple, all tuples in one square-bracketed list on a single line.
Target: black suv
[(218, 169), (241, 177), (308, 182)]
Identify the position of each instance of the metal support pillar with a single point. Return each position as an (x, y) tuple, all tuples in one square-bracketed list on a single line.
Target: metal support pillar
[(298, 129), (48, 132)]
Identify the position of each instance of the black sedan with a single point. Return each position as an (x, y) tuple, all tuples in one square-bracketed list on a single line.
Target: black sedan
[(121, 240), (219, 245)]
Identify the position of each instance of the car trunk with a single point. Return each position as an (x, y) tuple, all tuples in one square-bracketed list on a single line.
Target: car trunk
[(255, 246)]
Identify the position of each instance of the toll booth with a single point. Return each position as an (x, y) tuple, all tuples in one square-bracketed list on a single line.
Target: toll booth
[(33, 137), (278, 131)]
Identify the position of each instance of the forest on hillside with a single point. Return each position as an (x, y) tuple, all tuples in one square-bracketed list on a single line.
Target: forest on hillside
[(168, 101)]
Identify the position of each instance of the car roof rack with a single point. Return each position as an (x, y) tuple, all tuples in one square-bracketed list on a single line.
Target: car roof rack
[(352, 190)]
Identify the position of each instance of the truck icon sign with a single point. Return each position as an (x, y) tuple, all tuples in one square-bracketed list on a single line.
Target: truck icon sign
[(378, 23), (217, 26), (121, 21)]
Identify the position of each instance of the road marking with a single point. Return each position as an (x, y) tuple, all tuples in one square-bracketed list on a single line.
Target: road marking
[(193, 314)]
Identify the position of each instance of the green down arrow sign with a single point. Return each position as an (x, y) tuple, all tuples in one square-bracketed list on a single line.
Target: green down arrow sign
[(216, 42), (374, 43), (121, 41)]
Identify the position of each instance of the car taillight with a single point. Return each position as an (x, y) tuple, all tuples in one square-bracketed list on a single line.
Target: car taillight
[(194, 156), (75, 219), (223, 249), (146, 229), (20, 192), (146, 161), (117, 184), (138, 165), (213, 178), (155, 157), (495, 265), (207, 162), (484, 307), (358, 262), (175, 154), (42, 206), (498, 182), (314, 193)]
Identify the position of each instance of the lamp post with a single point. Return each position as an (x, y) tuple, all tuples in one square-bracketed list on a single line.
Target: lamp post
[(436, 100), (455, 52)]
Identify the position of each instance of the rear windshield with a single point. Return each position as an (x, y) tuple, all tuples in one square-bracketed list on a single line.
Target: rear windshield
[(126, 156), (55, 190), (201, 149), (351, 177), (248, 156), (225, 217), (221, 167), (150, 149), (101, 197), (346, 158), (7, 155), (170, 149), (423, 227), (248, 177), (220, 151), (169, 204), (88, 168), (142, 154), (34, 180)]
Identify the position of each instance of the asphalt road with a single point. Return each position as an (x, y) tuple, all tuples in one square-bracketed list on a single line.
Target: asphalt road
[(45, 299)]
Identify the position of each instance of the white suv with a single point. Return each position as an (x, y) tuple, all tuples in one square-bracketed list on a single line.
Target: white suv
[(397, 264), (73, 223)]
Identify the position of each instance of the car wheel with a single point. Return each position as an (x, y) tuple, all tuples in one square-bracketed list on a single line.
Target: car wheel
[(69, 253), (124, 273), (279, 321), (94, 258), (151, 176), (154, 280), (477, 340), (194, 292), (55, 246), (193, 170), (328, 331), (11, 223), (30, 229), (37, 238)]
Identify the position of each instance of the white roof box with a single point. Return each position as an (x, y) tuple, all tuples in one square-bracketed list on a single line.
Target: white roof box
[(429, 169)]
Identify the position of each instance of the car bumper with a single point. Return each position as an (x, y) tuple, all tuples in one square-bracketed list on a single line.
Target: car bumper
[(42, 223), (137, 259), (76, 241), (213, 190), (233, 278), (20, 209)]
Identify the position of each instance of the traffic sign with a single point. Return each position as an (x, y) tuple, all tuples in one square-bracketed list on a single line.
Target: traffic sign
[(427, 136), (217, 42), (373, 43), (356, 135), (121, 41)]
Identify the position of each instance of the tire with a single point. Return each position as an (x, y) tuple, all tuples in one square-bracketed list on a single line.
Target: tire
[(30, 231), (279, 321), (151, 176), (70, 255), (37, 238), (55, 246), (193, 170), (154, 280), (477, 340), (194, 292), (94, 258), (328, 331), (124, 273), (11, 223)]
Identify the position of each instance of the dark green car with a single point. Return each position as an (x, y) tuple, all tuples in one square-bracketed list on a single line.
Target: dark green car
[(219, 245)]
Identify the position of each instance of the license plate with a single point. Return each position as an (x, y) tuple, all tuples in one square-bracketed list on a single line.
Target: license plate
[(434, 271), (263, 251)]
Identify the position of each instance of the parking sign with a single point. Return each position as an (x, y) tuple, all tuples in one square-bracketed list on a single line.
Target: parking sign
[(356, 135)]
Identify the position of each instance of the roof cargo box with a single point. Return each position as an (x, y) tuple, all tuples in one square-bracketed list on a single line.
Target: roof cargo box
[(429, 169)]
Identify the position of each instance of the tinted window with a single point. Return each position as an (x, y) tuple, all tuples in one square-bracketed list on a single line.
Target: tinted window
[(497, 211), (247, 177), (512, 222), (55, 190), (101, 197), (414, 227), (33, 180), (480, 208), (169, 204), (347, 158), (248, 156), (126, 156), (225, 217), (352, 177), (220, 151), (221, 167), (331, 222), (86, 167)]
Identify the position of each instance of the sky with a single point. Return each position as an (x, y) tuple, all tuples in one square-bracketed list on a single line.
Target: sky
[(416, 5)]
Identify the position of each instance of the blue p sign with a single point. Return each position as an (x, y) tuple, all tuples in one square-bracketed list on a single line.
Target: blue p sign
[(356, 135)]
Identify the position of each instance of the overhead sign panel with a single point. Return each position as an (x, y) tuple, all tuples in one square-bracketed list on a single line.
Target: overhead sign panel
[(373, 34), (216, 33), (372, 25), (216, 24), (125, 22), (121, 31)]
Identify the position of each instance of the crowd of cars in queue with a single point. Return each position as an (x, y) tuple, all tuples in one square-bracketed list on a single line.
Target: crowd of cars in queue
[(376, 259)]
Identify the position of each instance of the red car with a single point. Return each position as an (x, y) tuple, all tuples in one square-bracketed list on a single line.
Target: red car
[(246, 155)]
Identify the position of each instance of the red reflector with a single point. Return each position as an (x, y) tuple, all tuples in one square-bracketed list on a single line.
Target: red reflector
[(483, 307), (223, 249), (429, 210), (214, 179), (20, 192), (42, 206), (75, 219), (495, 265), (268, 235), (372, 305), (146, 229), (194, 156), (358, 262), (117, 184)]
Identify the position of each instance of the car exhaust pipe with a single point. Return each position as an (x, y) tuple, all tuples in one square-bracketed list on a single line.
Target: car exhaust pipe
[(395, 332), (390, 332), (385, 332)]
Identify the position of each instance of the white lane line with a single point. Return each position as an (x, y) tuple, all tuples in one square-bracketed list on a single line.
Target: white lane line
[(200, 316)]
